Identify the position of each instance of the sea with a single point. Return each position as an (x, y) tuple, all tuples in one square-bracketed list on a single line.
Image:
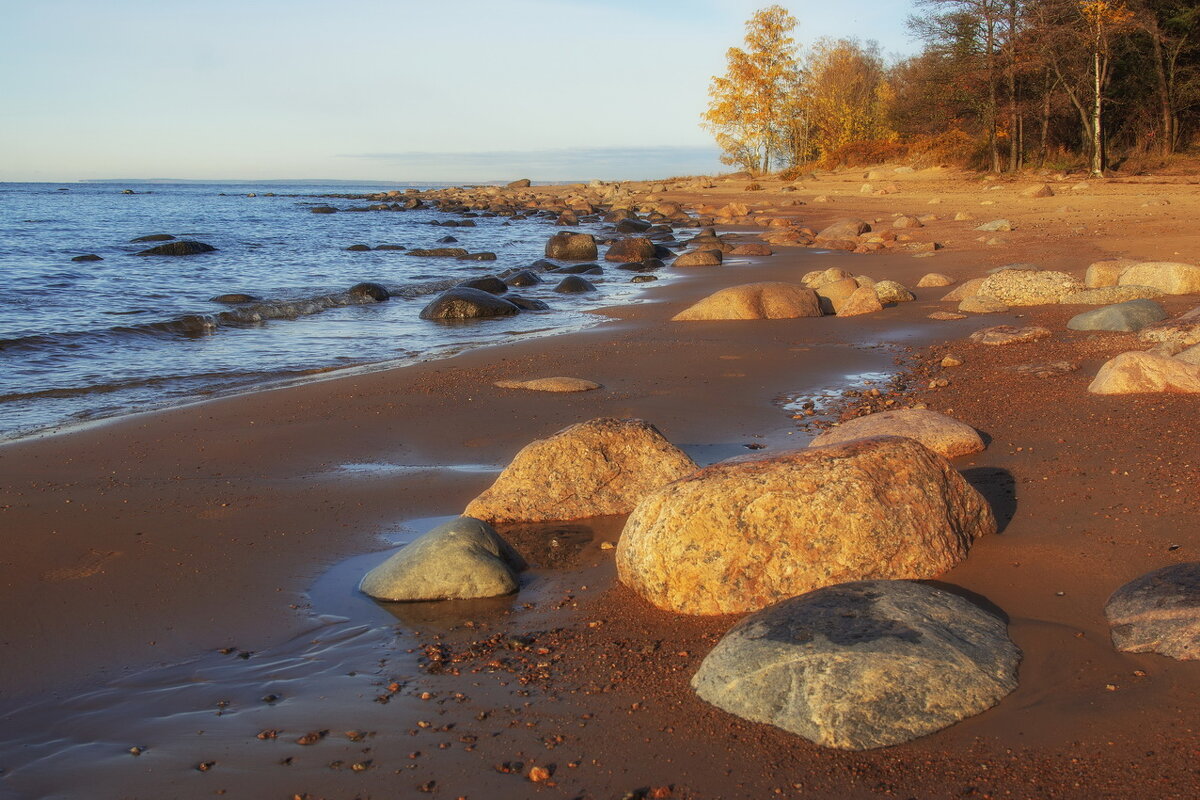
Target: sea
[(88, 341)]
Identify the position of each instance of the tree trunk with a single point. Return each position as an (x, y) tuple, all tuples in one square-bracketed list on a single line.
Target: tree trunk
[(1167, 145), (1097, 118)]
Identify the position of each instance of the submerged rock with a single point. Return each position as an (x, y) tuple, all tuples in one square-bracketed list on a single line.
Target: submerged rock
[(862, 665), (234, 298), (463, 303), (745, 533), (184, 247), (88, 257), (459, 560), (370, 291), (1159, 613), (154, 237), (592, 469), (568, 246)]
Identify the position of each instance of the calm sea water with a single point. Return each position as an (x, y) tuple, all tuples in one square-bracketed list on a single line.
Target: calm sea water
[(87, 340)]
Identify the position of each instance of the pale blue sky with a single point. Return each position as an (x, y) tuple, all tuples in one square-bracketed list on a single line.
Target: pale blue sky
[(377, 90)]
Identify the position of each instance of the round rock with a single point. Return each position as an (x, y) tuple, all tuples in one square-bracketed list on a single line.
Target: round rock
[(463, 303), (181, 248), (862, 665), (573, 284), (943, 435), (1159, 613), (458, 560), (743, 534), (768, 300), (568, 246), (1132, 315)]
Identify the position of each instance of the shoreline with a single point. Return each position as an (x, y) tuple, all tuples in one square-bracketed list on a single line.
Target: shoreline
[(248, 492)]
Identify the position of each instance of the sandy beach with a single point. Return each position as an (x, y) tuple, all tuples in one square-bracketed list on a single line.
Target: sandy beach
[(183, 582)]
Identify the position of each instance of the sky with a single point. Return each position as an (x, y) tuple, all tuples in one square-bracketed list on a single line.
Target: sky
[(392, 90)]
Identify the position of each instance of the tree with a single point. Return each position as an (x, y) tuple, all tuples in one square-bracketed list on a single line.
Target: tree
[(1104, 20), (748, 110), (846, 95)]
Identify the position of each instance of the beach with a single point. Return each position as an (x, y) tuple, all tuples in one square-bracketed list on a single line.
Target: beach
[(166, 572)]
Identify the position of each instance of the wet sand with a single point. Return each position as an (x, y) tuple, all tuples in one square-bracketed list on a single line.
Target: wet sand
[(140, 550)]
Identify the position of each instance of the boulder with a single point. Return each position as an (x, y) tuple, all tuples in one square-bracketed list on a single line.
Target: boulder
[(184, 247), (558, 384), (943, 435), (848, 228), (1007, 334), (359, 248), (699, 258), (573, 284), (964, 290), (323, 210), (462, 303), (439, 252), (982, 305), (833, 295), (818, 278), (527, 303), (234, 298), (368, 290), (1019, 287), (523, 277), (488, 283), (1190, 355), (1106, 273), (996, 225), (892, 292), (1172, 278), (755, 301), (579, 269), (592, 469), (905, 221), (1110, 294), (1132, 315), (632, 225), (635, 248), (568, 246), (88, 257), (1180, 332), (862, 300), (458, 560), (745, 533), (154, 237), (752, 249), (1159, 613), (1143, 373), (1041, 190), (945, 315), (933, 279), (862, 665), (521, 183)]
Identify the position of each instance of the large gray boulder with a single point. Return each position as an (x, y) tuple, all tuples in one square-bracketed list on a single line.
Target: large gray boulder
[(458, 560), (745, 533), (1132, 315), (462, 302), (1159, 613), (862, 665), (596, 468)]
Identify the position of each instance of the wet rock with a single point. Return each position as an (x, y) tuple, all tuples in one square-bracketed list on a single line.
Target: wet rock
[(745, 533), (573, 284), (752, 249), (359, 248), (154, 237), (1007, 334), (372, 291), (862, 665), (1143, 373), (633, 225), (755, 301), (844, 229), (1170, 277), (568, 246), (643, 279), (484, 256), (234, 298), (391, 247), (649, 265), (462, 303), (488, 283), (943, 435), (945, 316), (580, 269), (527, 303), (699, 258), (438, 252), (185, 247), (862, 300), (1020, 287), (595, 468), (523, 278), (635, 248), (323, 210), (1132, 315), (88, 257), (459, 560), (1159, 613), (558, 384)]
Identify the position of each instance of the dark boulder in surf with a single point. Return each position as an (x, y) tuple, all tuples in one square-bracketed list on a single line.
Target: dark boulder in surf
[(488, 283), (154, 237), (185, 247), (464, 303), (359, 248), (374, 291), (234, 298), (88, 257), (523, 278), (527, 303), (573, 284)]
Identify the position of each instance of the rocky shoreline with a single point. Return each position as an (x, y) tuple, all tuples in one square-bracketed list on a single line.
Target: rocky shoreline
[(578, 686)]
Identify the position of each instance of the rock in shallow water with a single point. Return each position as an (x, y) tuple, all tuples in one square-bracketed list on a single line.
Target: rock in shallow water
[(459, 560), (862, 665), (462, 303), (181, 248), (569, 246), (1159, 613), (596, 468), (743, 534)]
